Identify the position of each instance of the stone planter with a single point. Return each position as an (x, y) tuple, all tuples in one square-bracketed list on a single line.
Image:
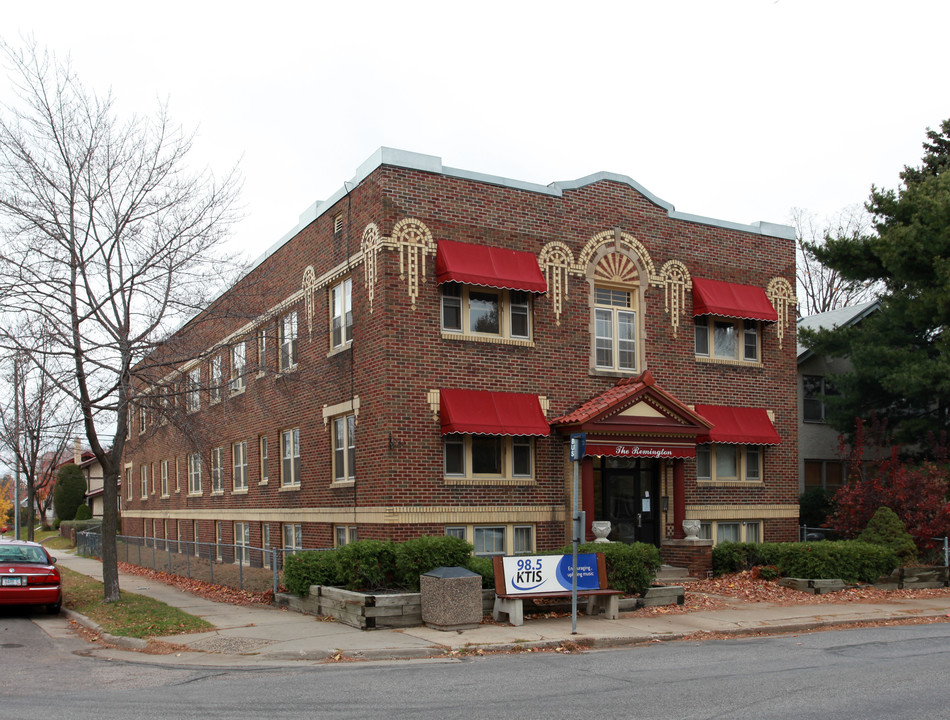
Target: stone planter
[(691, 528), (601, 529)]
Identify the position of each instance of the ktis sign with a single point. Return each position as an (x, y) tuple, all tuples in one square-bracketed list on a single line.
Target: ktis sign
[(549, 573)]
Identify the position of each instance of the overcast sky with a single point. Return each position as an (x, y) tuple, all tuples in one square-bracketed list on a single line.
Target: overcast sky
[(734, 110)]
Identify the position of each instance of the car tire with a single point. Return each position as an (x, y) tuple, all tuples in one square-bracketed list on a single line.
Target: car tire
[(54, 608)]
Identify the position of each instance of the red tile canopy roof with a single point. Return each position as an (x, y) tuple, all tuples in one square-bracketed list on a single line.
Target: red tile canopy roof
[(738, 426), (748, 302), (481, 412), (488, 266)]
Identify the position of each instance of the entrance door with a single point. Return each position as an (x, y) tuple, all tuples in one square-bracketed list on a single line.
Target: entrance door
[(630, 499)]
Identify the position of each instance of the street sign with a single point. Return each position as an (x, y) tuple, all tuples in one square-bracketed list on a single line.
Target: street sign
[(578, 446)]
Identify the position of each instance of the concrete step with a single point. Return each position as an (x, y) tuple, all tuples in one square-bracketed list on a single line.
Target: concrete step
[(670, 574)]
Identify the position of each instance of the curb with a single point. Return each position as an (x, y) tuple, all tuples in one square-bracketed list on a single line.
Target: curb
[(118, 640)]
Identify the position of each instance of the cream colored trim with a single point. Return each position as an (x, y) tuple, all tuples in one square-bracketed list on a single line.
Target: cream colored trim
[(434, 398), (348, 406), (490, 481), (448, 514), (724, 511), (447, 335), (545, 404), (728, 361), (729, 483)]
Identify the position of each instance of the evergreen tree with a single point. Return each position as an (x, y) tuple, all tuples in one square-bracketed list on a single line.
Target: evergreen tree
[(900, 356)]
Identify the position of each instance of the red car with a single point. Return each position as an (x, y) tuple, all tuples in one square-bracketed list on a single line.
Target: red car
[(28, 576)]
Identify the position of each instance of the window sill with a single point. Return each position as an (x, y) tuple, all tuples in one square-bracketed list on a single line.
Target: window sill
[(164, 497), (605, 372), (729, 483), (490, 481), (214, 401), (239, 491), (239, 391), (343, 348), (195, 494), (215, 493), (498, 340), (728, 361), (289, 488), (287, 371), (265, 481), (342, 483)]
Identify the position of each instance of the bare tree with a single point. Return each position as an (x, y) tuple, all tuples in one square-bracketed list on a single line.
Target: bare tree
[(36, 422), (110, 241), (819, 287)]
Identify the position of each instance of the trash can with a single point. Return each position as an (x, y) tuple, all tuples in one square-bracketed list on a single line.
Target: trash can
[(451, 598)]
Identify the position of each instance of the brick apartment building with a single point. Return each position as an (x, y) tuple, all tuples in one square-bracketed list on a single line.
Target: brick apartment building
[(413, 357)]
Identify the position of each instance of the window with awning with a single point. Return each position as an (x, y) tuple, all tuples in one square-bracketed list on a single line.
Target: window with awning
[(488, 266), (732, 300)]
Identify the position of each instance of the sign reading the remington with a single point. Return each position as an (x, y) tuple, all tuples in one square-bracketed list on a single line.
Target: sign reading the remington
[(634, 450)]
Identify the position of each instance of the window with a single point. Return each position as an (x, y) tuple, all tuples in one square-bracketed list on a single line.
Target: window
[(238, 367), (524, 539), (265, 543), (239, 456), (488, 455), (293, 537), (815, 389), (337, 224), (490, 540), (194, 529), (729, 462), (218, 538), (193, 390), (217, 461), (341, 318), (727, 338), (128, 481), (261, 351), (177, 475), (242, 541), (194, 474), (455, 531), (615, 330), (143, 420), (344, 534), (288, 341), (344, 448), (152, 476), (214, 370), (290, 458), (485, 311), (164, 478), (143, 471), (265, 460), (828, 474), (731, 531)]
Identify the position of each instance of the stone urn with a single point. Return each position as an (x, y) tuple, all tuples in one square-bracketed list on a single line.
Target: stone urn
[(691, 528), (601, 530)]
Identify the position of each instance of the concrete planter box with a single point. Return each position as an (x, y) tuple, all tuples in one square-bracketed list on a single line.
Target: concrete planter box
[(367, 611)]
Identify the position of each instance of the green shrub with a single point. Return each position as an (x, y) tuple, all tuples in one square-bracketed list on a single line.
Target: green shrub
[(367, 564), (311, 567), (83, 513), (885, 528), (814, 506), (483, 566), (420, 555), (769, 572), (630, 568), (849, 560), (70, 491)]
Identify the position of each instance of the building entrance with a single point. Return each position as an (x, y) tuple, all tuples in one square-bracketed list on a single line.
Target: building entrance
[(627, 493)]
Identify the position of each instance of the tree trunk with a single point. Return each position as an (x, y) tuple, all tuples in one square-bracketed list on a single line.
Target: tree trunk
[(110, 516)]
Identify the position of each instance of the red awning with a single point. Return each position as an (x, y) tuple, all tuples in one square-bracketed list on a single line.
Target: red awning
[(488, 266), (480, 412), (714, 297), (738, 426)]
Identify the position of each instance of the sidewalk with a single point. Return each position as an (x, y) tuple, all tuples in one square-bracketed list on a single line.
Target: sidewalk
[(260, 636)]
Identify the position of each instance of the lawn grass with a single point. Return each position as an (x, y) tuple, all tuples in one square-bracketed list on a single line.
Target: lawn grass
[(134, 615)]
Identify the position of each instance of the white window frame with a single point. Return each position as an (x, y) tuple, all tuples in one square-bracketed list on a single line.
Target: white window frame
[(704, 338), (164, 467), (143, 473), (217, 470), (265, 545), (287, 332), (344, 535), (143, 420), (128, 481), (509, 447), (177, 474), (343, 441), (193, 390), (609, 319), (457, 297), (238, 367), (482, 533), (218, 538), (712, 459), (290, 458), (194, 474), (261, 351), (215, 379), (712, 530), (195, 527), (264, 450), (341, 314), (239, 460), (242, 543), (292, 536)]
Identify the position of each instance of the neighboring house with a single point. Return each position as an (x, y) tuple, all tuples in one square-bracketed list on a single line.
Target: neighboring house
[(92, 471), (413, 357), (820, 463)]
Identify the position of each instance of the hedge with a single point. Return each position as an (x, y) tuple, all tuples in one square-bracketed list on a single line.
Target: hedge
[(849, 560)]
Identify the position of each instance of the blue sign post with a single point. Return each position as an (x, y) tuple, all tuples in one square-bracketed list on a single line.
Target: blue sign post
[(578, 446)]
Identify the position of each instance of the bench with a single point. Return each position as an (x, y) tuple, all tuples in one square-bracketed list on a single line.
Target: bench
[(511, 603)]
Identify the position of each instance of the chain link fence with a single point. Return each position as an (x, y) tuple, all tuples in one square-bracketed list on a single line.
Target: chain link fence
[(241, 567)]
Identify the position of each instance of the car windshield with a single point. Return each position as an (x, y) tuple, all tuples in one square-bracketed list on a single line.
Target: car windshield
[(23, 554)]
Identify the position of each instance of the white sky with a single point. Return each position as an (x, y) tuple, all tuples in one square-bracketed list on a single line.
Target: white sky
[(734, 110)]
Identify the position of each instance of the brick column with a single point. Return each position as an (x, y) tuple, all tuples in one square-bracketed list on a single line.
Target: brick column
[(679, 498)]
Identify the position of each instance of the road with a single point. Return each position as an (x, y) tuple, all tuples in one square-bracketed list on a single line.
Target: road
[(870, 673)]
